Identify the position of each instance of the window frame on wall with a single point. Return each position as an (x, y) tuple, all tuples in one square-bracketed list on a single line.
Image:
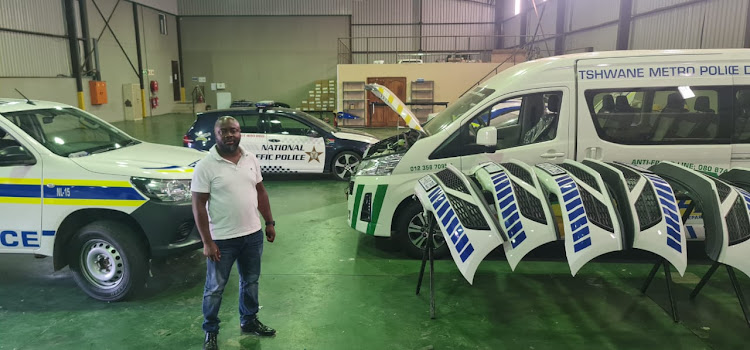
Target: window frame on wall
[(660, 131)]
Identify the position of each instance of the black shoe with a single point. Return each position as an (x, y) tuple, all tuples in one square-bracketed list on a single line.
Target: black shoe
[(210, 343), (257, 328)]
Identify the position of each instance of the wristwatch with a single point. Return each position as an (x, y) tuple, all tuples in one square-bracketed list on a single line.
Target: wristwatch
[(271, 223)]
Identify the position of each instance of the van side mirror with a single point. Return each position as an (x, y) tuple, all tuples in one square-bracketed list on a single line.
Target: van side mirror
[(17, 160), (487, 137)]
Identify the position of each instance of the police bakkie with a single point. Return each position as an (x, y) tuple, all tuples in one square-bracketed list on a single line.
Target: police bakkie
[(286, 140), (77, 189)]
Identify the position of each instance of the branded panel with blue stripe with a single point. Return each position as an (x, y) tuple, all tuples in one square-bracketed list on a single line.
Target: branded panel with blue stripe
[(651, 217), (726, 217), (591, 224), (469, 230), (521, 206)]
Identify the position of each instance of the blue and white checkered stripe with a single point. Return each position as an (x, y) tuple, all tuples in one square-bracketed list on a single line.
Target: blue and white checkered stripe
[(449, 221), (510, 216), (670, 209), (577, 219)]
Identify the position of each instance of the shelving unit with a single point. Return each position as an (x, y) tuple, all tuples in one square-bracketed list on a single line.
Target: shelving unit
[(422, 91), (354, 101)]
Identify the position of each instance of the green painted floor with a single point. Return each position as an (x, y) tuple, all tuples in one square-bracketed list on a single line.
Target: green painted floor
[(325, 286)]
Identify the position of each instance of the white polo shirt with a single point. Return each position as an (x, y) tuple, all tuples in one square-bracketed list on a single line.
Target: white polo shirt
[(233, 204)]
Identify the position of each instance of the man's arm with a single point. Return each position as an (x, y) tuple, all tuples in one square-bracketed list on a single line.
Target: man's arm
[(264, 206), (210, 250)]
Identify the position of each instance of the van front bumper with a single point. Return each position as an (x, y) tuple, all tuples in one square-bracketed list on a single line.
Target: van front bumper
[(169, 227), (372, 201)]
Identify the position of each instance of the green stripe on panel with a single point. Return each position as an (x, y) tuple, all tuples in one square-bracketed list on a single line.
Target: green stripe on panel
[(355, 210), (377, 204)]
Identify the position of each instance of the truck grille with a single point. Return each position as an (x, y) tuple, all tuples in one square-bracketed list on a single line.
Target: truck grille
[(451, 180), (468, 214), (582, 175)]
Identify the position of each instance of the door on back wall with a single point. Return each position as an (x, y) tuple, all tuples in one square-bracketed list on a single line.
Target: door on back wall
[(380, 116), (176, 81)]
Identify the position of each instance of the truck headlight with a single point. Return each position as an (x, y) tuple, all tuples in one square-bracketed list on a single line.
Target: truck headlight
[(163, 190), (379, 166)]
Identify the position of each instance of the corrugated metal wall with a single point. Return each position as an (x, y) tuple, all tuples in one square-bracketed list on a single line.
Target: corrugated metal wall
[(679, 28), (588, 13), (641, 6), (601, 39), (263, 7), (26, 55), (725, 23)]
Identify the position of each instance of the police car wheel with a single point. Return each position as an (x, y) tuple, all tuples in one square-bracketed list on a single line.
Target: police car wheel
[(343, 165), (409, 233), (109, 262)]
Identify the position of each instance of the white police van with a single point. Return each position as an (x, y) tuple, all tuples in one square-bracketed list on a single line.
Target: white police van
[(640, 107), (77, 189)]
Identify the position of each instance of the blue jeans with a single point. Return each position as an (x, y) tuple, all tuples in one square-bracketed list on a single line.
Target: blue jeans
[(246, 250)]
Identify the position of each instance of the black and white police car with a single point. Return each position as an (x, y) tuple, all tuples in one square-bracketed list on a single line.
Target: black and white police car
[(287, 140)]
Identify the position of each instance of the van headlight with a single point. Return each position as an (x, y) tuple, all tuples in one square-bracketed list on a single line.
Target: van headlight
[(163, 190), (379, 166)]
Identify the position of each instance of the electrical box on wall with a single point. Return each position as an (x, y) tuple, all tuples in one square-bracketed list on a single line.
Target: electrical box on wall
[(98, 91)]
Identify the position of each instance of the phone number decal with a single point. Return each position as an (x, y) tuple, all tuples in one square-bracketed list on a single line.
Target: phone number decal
[(427, 167)]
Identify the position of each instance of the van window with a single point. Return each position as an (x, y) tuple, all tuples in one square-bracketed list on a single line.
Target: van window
[(668, 115), (520, 120), (741, 115), (457, 109)]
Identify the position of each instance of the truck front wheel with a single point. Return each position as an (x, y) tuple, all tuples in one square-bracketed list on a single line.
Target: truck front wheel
[(108, 260), (411, 222)]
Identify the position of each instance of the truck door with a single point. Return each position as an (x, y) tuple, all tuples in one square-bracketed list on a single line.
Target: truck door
[(20, 195), (667, 111)]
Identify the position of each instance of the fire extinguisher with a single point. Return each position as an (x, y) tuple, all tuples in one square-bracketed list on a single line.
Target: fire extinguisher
[(154, 86), (154, 102)]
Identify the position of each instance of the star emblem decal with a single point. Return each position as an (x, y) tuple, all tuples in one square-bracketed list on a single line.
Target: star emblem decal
[(313, 155)]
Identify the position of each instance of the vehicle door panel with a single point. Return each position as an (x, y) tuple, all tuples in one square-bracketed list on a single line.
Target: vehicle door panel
[(291, 148), (20, 196), (253, 135)]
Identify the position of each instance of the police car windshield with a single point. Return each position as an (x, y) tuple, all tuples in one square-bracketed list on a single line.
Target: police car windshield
[(457, 109), (67, 131)]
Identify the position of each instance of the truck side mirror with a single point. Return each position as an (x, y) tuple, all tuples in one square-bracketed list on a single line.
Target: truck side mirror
[(487, 137)]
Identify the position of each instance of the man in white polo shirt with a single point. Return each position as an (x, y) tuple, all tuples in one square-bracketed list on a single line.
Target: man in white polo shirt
[(228, 192)]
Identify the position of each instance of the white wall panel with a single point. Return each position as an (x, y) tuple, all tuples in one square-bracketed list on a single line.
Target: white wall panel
[(457, 11), (27, 55), (641, 6), (601, 39), (725, 23), (44, 16), (382, 12), (588, 13), (263, 7), (679, 28)]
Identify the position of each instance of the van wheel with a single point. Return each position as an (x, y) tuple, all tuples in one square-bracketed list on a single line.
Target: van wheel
[(108, 260), (409, 226), (343, 165)]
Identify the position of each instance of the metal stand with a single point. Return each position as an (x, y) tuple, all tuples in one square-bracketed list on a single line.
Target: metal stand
[(668, 277), (428, 253), (735, 284), (667, 273)]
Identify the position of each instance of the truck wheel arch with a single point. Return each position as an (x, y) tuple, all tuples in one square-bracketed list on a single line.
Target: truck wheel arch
[(80, 218)]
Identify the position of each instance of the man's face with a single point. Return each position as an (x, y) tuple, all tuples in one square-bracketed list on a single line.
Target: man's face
[(228, 135)]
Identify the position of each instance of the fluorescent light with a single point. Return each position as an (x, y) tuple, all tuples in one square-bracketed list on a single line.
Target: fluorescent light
[(686, 92), (518, 7), (59, 141)]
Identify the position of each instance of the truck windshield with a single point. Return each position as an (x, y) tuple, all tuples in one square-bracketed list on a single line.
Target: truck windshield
[(457, 109), (70, 132)]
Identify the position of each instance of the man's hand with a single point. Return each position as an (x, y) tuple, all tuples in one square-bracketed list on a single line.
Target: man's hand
[(270, 233), (211, 251)]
